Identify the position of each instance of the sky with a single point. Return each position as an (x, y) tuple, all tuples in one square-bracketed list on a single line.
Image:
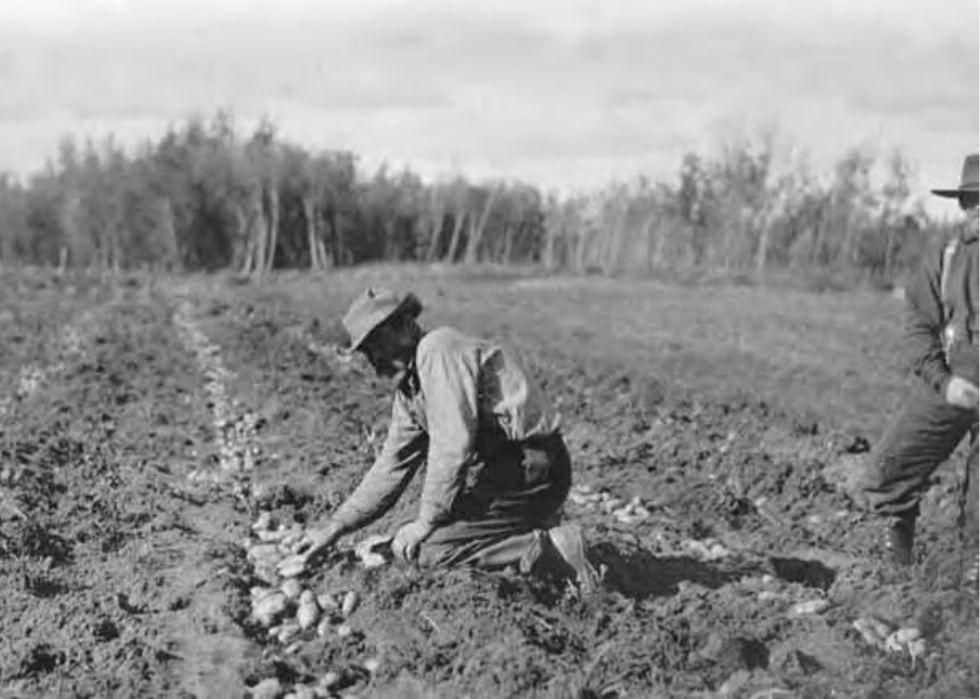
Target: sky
[(564, 94)]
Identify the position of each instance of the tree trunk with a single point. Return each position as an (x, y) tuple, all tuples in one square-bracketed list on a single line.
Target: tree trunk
[(251, 236), (260, 233), (435, 237), (322, 252), (272, 238), (309, 214), (69, 213), (650, 237), (583, 252), (508, 254), (476, 234), (240, 252), (614, 248), (889, 254), (168, 233), (552, 230), (771, 213), (337, 240), (459, 218), (438, 213)]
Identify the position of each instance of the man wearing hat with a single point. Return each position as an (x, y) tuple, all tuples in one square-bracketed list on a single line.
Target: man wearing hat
[(941, 341), (496, 468)]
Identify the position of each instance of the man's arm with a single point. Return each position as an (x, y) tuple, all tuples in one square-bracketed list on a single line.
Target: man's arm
[(402, 454), (924, 327), (449, 381)]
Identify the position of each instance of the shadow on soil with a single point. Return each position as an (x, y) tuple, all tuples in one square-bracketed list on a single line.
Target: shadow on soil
[(639, 574)]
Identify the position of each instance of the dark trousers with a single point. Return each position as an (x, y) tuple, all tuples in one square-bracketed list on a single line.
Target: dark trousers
[(514, 496), (917, 442)]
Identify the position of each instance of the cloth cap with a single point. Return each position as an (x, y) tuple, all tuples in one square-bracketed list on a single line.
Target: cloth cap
[(372, 308)]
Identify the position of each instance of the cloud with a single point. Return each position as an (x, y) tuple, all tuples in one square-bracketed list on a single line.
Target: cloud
[(565, 89)]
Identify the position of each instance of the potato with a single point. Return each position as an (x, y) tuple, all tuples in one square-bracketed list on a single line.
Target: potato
[(373, 560), (881, 628), (272, 535), (351, 600), (267, 609), (288, 632), (263, 522), (611, 504), (263, 552), (308, 612), (814, 606), (374, 551), (258, 592), (718, 551), (907, 635), (291, 588), (893, 645), (873, 631), (327, 602), (323, 628), (266, 574), (292, 538), (292, 567), (267, 689)]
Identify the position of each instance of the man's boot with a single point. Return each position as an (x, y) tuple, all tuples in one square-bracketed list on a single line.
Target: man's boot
[(901, 537), (570, 545)]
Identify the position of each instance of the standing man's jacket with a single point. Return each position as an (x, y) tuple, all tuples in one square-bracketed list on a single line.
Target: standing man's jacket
[(941, 325)]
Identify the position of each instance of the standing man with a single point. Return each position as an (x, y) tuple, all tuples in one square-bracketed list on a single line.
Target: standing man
[(941, 340), (497, 470)]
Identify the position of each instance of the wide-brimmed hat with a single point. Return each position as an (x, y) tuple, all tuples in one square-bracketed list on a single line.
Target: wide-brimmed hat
[(373, 307), (969, 179)]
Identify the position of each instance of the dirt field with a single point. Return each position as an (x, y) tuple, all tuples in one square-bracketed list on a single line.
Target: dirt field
[(146, 425)]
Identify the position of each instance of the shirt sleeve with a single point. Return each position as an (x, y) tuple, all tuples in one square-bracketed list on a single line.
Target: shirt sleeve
[(401, 455), (449, 381), (924, 327)]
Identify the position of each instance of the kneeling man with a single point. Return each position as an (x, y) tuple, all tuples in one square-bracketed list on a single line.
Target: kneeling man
[(496, 468)]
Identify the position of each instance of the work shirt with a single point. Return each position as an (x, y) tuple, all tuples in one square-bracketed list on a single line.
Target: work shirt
[(458, 391), (941, 329)]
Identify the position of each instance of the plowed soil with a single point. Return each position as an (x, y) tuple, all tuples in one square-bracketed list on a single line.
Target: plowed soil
[(146, 424)]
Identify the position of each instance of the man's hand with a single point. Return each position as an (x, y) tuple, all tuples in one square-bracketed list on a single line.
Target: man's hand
[(406, 543), (961, 393), (317, 541)]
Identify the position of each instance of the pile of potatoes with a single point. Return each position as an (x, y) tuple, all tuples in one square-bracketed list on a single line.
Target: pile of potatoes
[(31, 376), (628, 513), (882, 635), (234, 433), (284, 606), (709, 549), (291, 612), (272, 688), (632, 513)]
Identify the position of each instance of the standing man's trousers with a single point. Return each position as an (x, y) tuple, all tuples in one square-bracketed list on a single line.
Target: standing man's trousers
[(515, 495), (917, 442)]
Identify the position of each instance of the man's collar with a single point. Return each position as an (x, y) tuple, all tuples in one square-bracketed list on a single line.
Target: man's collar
[(409, 383)]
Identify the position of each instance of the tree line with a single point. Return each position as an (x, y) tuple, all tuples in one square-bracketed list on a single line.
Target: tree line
[(204, 197)]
